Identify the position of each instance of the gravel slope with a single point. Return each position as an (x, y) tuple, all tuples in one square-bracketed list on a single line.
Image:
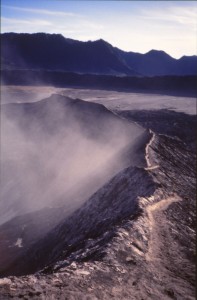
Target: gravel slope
[(149, 255)]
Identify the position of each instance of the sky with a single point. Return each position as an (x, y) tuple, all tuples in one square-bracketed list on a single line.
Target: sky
[(136, 26)]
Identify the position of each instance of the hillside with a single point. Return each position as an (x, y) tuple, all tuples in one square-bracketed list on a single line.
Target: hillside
[(133, 238), (42, 51), (54, 52), (169, 85)]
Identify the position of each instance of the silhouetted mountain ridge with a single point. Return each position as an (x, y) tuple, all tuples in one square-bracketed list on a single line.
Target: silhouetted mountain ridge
[(54, 52), (159, 63)]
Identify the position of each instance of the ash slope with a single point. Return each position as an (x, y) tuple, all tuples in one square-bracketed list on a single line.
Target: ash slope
[(150, 256), (77, 237), (56, 154)]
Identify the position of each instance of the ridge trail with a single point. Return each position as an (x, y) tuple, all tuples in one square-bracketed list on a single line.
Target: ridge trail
[(155, 213), (157, 219), (147, 157)]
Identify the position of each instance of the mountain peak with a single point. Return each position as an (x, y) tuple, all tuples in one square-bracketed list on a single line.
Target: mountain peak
[(101, 42), (185, 57), (157, 52)]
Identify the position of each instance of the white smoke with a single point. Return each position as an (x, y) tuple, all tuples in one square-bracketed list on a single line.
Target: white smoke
[(56, 168)]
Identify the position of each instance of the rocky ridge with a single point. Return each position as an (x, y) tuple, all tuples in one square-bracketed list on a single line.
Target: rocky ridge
[(150, 255)]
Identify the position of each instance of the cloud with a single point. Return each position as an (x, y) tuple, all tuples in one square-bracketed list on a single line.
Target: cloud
[(176, 14), (27, 25), (12, 21), (42, 11), (80, 28)]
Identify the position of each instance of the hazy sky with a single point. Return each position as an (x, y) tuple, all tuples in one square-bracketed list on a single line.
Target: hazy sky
[(137, 26)]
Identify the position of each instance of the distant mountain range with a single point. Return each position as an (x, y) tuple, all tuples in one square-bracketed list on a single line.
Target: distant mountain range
[(53, 52)]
